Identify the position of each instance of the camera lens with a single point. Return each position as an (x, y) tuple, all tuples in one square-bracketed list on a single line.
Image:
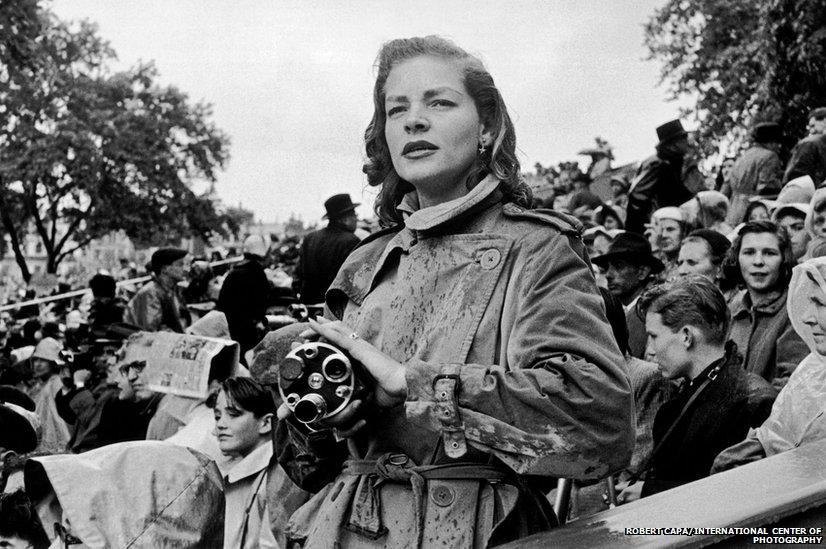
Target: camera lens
[(310, 408), (335, 369), (290, 371)]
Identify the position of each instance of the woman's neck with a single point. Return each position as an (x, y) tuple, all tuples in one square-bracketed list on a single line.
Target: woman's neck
[(758, 296), (428, 199)]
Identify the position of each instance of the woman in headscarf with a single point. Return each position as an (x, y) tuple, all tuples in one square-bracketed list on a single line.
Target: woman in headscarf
[(798, 416)]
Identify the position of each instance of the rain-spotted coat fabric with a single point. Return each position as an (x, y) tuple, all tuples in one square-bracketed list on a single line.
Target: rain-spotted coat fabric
[(799, 414), (143, 494), (503, 299)]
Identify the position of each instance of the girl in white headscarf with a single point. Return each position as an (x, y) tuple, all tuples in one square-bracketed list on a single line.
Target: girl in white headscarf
[(799, 413)]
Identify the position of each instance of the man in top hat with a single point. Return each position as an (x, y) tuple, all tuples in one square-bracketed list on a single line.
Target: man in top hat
[(757, 171), (809, 155), (659, 180), (324, 251), (629, 267), (158, 306)]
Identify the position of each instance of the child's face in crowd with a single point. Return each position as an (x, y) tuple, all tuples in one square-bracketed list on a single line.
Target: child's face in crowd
[(760, 261), (238, 430)]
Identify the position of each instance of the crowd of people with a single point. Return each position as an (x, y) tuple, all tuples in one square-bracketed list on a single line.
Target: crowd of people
[(632, 343)]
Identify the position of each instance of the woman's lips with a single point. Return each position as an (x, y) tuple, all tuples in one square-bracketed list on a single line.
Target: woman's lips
[(418, 147)]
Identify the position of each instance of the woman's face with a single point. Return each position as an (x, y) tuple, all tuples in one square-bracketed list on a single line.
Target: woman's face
[(611, 222), (760, 261), (814, 316), (238, 430), (759, 213), (695, 259), (819, 223), (432, 129)]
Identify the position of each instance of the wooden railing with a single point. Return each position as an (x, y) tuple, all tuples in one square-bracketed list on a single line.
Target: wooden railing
[(784, 496), (78, 293)]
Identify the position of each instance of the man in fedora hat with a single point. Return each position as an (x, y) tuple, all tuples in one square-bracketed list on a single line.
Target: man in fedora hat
[(757, 171), (629, 267), (324, 251), (659, 180)]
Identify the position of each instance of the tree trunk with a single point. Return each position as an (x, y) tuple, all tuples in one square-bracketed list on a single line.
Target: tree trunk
[(15, 245)]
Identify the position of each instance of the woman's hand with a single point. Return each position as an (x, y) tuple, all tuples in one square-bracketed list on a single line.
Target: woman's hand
[(629, 493), (391, 383)]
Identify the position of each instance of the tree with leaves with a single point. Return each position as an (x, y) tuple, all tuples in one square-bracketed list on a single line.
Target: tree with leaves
[(84, 152), (742, 62)]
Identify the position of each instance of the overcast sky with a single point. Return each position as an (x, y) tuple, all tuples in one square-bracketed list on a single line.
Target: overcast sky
[(291, 81)]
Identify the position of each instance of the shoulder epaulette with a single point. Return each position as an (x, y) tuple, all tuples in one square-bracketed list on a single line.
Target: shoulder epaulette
[(562, 222), (378, 234)]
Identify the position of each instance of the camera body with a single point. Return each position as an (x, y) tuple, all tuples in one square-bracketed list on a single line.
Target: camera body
[(318, 380)]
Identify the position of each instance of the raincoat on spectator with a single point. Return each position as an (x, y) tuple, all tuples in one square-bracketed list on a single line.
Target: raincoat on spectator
[(799, 414), (156, 308), (135, 494), (511, 368), (769, 345)]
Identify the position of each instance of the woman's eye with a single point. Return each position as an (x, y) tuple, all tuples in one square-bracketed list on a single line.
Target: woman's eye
[(441, 103), (395, 110)]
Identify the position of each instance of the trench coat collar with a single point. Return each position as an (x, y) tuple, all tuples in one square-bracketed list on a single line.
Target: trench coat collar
[(769, 305), (254, 463), (427, 219)]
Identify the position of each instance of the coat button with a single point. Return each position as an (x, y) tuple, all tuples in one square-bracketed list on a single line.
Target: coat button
[(442, 495), (490, 259)]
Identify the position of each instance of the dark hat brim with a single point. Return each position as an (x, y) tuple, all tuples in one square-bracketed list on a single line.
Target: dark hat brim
[(16, 433), (340, 212), (649, 260)]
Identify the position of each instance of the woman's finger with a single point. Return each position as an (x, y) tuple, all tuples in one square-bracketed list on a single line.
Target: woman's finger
[(352, 431), (344, 418), (283, 412)]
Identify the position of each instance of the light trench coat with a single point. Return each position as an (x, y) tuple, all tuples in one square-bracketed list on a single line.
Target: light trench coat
[(510, 361)]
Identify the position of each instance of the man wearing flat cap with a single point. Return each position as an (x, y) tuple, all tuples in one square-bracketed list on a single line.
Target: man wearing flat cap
[(809, 155), (158, 306), (757, 171), (324, 251), (659, 179), (630, 267)]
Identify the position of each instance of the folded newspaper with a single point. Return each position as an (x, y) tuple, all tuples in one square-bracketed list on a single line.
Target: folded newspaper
[(180, 364)]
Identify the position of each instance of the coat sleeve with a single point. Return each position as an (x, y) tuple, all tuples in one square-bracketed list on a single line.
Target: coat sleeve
[(804, 158), (639, 199), (791, 350), (741, 453), (562, 406)]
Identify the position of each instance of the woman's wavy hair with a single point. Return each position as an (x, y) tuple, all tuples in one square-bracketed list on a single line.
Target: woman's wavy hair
[(731, 265), (499, 160)]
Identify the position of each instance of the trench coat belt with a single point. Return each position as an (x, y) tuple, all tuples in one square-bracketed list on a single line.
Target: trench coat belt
[(365, 515)]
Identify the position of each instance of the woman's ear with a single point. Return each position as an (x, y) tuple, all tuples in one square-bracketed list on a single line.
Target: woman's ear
[(688, 336), (485, 135), (265, 424)]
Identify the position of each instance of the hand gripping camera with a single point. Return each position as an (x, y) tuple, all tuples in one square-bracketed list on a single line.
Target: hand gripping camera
[(318, 380)]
